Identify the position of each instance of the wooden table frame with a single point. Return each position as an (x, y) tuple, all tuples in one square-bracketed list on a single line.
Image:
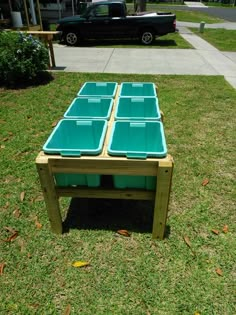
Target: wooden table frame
[(47, 165)]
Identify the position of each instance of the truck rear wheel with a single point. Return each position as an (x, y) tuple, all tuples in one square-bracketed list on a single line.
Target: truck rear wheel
[(71, 38), (147, 37)]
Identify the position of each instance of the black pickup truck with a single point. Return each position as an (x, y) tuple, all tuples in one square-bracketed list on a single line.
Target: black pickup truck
[(109, 20)]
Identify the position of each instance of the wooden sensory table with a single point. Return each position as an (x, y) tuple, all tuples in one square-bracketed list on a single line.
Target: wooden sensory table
[(104, 164)]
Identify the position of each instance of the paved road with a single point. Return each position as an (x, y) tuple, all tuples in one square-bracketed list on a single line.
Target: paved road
[(228, 14)]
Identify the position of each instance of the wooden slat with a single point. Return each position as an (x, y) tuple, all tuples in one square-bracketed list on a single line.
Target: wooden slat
[(26, 14), (164, 177), (105, 193), (50, 197), (104, 167), (110, 124), (43, 33), (39, 15)]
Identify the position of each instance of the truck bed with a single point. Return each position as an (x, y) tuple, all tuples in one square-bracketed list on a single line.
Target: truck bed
[(148, 14)]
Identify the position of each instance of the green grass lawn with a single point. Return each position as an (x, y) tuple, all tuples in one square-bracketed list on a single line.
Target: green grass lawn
[(127, 275), (222, 39), (195, 16)]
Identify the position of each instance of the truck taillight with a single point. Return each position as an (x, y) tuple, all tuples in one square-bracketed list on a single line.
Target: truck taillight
[(174, 23)]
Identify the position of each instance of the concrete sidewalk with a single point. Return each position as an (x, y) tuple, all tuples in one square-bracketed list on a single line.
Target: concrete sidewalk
[(203, 60), (195, 4), (225, 25)]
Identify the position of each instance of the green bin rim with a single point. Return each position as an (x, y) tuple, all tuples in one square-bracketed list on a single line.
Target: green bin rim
[(76, 152), (137, 154), (68, 116), (98, 82), (136, 83), (118, 117)]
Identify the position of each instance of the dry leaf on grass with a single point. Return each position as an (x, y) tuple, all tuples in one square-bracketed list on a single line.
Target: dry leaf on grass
[(162, 115), (6, 205), (22, 196), (187, 241), (55, 123), (124, 233), (215, 231), (21, 243), (225, 229), (13, 235), (67, 310), (16, 213), (219, 272), (79, 264), (205, 182), (34, 305), (39, 198), (2, 266), (9, 229), (37, 223)]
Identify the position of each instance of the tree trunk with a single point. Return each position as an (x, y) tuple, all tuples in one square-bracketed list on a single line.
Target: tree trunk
[(139, 5)]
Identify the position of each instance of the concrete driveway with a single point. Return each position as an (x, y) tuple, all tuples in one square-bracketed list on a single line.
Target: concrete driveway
[(129, 60)]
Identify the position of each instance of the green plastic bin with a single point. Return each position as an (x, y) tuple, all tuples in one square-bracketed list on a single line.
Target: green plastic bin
[(89, 180), (137, 140), (73, 137), (137, 89), (87, 108), (142, 182), (98, 89), (137, 108)]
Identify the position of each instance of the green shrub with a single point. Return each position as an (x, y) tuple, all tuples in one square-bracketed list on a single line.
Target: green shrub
[(22, 57)]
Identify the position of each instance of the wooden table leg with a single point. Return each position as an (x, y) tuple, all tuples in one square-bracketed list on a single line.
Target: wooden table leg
[(164, 177), (50, 197), (50, 45)]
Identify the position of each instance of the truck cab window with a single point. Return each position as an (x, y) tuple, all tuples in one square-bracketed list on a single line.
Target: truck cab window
[(101, 10)]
